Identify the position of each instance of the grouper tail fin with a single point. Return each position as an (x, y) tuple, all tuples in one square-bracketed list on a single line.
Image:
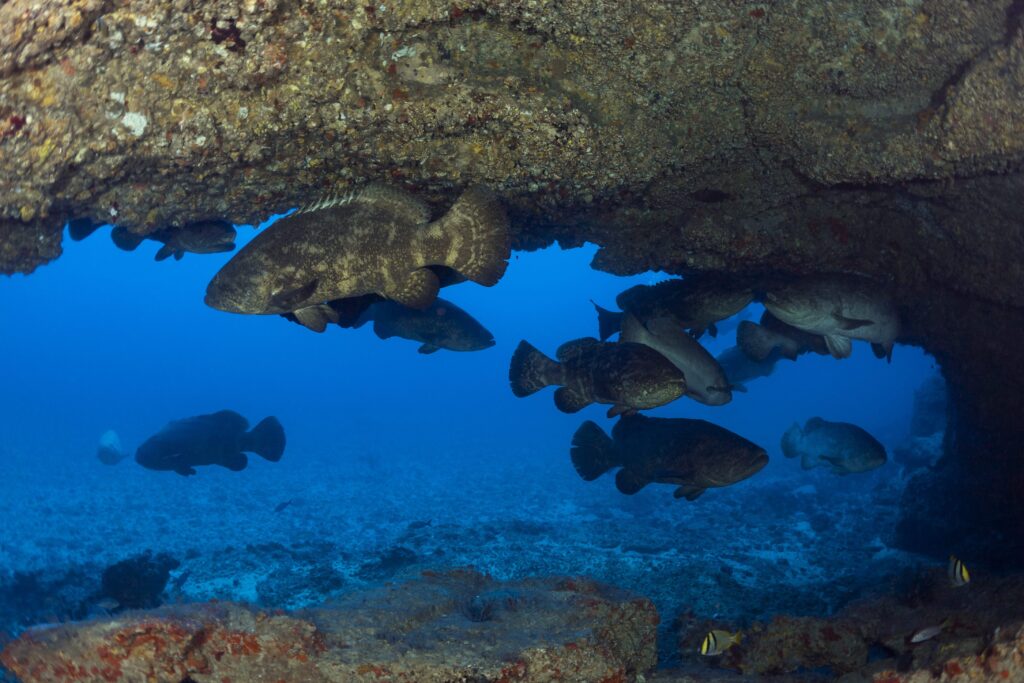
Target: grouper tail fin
[(608, 322), (265, 439), (531, 371), (593, 452), (477, 242)]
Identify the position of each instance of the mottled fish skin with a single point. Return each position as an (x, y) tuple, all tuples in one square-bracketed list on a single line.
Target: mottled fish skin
[(696, 302), (626, 375), (351, 311), (705, 379), (839, 308), (692, 454), (214, 439), (844, 447), (377, 240), (443, 325)]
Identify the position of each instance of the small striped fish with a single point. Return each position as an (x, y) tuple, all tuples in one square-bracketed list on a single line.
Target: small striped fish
[(958, 574), (716, 642)]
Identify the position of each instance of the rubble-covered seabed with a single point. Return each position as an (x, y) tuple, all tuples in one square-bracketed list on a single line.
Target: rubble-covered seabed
[(366, 562)]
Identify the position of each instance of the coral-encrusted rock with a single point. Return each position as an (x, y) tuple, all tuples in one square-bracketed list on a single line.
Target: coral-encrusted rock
[(1002, 660), (445, 627), (792, 643), (971, 628)]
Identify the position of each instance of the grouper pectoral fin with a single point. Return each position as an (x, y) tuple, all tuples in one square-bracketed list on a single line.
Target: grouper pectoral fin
[(629, 482), (418, 290), (621, 410), (568, 401), (428, 348), (185, 471), (236, 462), (839, 347), (289, 299)]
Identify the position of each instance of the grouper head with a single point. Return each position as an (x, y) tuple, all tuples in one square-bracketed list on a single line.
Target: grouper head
[(249, 284), (205, 237), (741, 461), (798, 306)]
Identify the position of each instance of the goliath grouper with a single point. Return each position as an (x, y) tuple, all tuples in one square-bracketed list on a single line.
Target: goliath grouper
[(377, 240), (199, 237), (693, 454), (845, 447), (627, 375), (443, 325), (840, 308), (215, 439), (696, 303)]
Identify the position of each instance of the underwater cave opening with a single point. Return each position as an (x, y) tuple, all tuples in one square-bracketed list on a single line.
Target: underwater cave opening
[(427, 457)]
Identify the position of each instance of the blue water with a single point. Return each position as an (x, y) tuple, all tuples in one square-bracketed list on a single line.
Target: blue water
[(380, 436), (104, 339)]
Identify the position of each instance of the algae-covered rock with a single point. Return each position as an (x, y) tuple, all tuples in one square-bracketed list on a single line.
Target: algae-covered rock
[(554, 629)]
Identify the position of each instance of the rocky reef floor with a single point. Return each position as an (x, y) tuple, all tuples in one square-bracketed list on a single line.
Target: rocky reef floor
[(320, 528)]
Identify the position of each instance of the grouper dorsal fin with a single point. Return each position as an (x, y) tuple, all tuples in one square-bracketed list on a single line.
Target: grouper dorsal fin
[(573, 349), (328, 202), (399, 204)]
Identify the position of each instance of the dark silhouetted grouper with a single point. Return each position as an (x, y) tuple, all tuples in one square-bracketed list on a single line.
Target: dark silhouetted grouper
[(693, 454), (109, 451), (442, 325), (740, 368), (201, 237), (376, 240), (759, 341), (216, 439), (696, 303), (845, 447), (627, 375)]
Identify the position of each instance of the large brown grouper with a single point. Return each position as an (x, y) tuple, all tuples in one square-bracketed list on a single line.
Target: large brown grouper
[(377, 240), (627, 375), (693, 454)]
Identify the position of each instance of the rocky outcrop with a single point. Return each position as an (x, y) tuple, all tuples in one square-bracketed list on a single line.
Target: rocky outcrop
[(456, 626), (974, 632), (719, 133)]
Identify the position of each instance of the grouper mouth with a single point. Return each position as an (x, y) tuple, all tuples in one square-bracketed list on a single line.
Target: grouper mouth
[(222, 301)]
